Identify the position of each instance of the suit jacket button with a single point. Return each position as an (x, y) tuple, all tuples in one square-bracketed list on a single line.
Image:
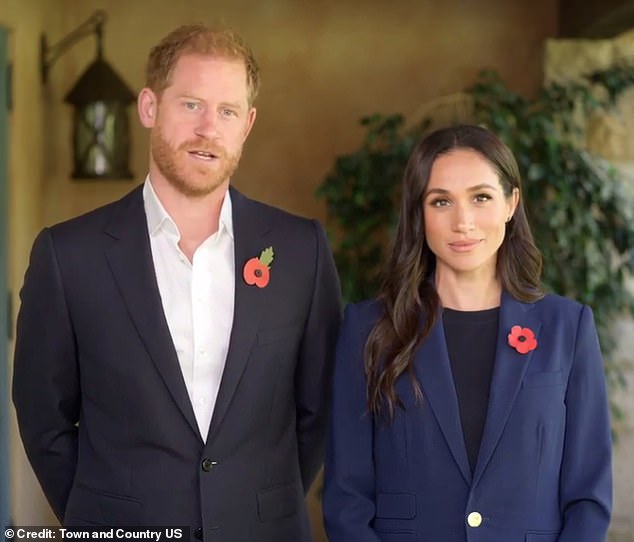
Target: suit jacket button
[(198, 533), (207, 464), (474, 519)]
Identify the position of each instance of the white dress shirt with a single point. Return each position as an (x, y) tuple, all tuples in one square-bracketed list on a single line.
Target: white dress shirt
[(198, 300)]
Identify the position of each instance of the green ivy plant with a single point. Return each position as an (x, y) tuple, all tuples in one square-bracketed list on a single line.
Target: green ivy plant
[(361, 195), (581, 212)]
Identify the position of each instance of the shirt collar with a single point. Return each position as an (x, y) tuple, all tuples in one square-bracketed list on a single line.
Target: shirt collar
[(158, 218)]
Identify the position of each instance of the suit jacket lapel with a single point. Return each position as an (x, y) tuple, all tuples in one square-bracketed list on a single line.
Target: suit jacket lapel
[(434, 373), (509, 370), (249, 230), (130, 260)]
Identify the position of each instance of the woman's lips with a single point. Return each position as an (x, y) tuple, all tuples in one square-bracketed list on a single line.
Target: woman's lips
[(464, 246)]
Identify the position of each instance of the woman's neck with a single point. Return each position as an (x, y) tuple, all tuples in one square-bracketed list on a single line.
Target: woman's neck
[(468, 293)]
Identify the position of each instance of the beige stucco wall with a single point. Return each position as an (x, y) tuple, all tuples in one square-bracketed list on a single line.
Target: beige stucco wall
[(28, 138), (324, 66)]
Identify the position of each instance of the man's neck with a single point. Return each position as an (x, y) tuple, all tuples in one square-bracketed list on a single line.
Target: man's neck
[(197, 218)]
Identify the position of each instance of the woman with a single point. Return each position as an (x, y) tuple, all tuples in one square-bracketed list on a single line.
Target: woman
[(467, 405)]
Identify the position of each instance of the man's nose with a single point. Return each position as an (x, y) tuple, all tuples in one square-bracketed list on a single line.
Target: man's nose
[(207, 125)]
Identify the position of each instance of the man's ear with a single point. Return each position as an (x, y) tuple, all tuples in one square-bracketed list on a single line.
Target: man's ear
[(147, 106), (250, 120)]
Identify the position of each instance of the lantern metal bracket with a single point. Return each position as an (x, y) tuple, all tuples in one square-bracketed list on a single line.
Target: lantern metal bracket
[(49, 54)]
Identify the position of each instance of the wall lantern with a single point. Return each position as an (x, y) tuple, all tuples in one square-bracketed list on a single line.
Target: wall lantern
[(101, 131)]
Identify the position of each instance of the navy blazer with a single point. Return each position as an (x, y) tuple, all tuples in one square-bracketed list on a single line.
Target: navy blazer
[(543, 472), (102, 406)]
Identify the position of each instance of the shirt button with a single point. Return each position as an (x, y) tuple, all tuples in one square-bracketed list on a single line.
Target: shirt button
[(207, 464), (474, 519), (198, 533)]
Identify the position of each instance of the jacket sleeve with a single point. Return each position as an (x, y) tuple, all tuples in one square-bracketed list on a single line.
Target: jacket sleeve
[(349, 481), (314, 369), (46, 378), (586, 477)]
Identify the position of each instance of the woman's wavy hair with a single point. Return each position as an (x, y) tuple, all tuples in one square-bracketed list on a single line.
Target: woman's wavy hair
[(408, 296)]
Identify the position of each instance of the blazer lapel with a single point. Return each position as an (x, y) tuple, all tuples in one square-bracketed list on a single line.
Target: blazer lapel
[(249, 230), (509, 370), (434, 373), (130, 260)]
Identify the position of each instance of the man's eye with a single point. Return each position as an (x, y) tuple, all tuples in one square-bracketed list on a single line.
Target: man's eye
[(192, 106), (228, 113)]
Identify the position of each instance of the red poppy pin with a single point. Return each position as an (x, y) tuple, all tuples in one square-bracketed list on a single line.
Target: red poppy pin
[(257, 270), (522, 339)]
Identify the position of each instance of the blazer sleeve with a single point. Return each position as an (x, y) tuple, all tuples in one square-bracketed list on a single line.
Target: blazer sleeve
[(314, 369), (349, 482), (46, 378), (586, 477)]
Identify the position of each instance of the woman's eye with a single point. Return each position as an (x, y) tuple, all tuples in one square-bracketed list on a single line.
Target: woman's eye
[(440, 202), (481, 198)]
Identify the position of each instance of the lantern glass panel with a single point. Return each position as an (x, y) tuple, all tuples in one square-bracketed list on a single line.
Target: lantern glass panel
[(101, 141)]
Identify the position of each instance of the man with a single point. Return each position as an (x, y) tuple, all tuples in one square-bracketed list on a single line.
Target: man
[(174, 347)]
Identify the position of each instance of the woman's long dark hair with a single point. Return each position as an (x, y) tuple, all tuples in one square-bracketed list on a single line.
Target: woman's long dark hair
[(407, 293)]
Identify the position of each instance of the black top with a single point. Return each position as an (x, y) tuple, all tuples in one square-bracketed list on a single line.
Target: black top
[(471, 338)]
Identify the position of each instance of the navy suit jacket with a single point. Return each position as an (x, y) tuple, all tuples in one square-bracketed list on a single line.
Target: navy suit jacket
[(102, 406), (543, 472)]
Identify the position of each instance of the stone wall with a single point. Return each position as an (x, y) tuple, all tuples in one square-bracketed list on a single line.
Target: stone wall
[(610, 135)]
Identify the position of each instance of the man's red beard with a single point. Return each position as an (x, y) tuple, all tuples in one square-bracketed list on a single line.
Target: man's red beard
[(171, 163)]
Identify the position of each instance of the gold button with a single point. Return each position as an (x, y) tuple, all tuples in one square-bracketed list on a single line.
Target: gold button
[(474, 519)]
